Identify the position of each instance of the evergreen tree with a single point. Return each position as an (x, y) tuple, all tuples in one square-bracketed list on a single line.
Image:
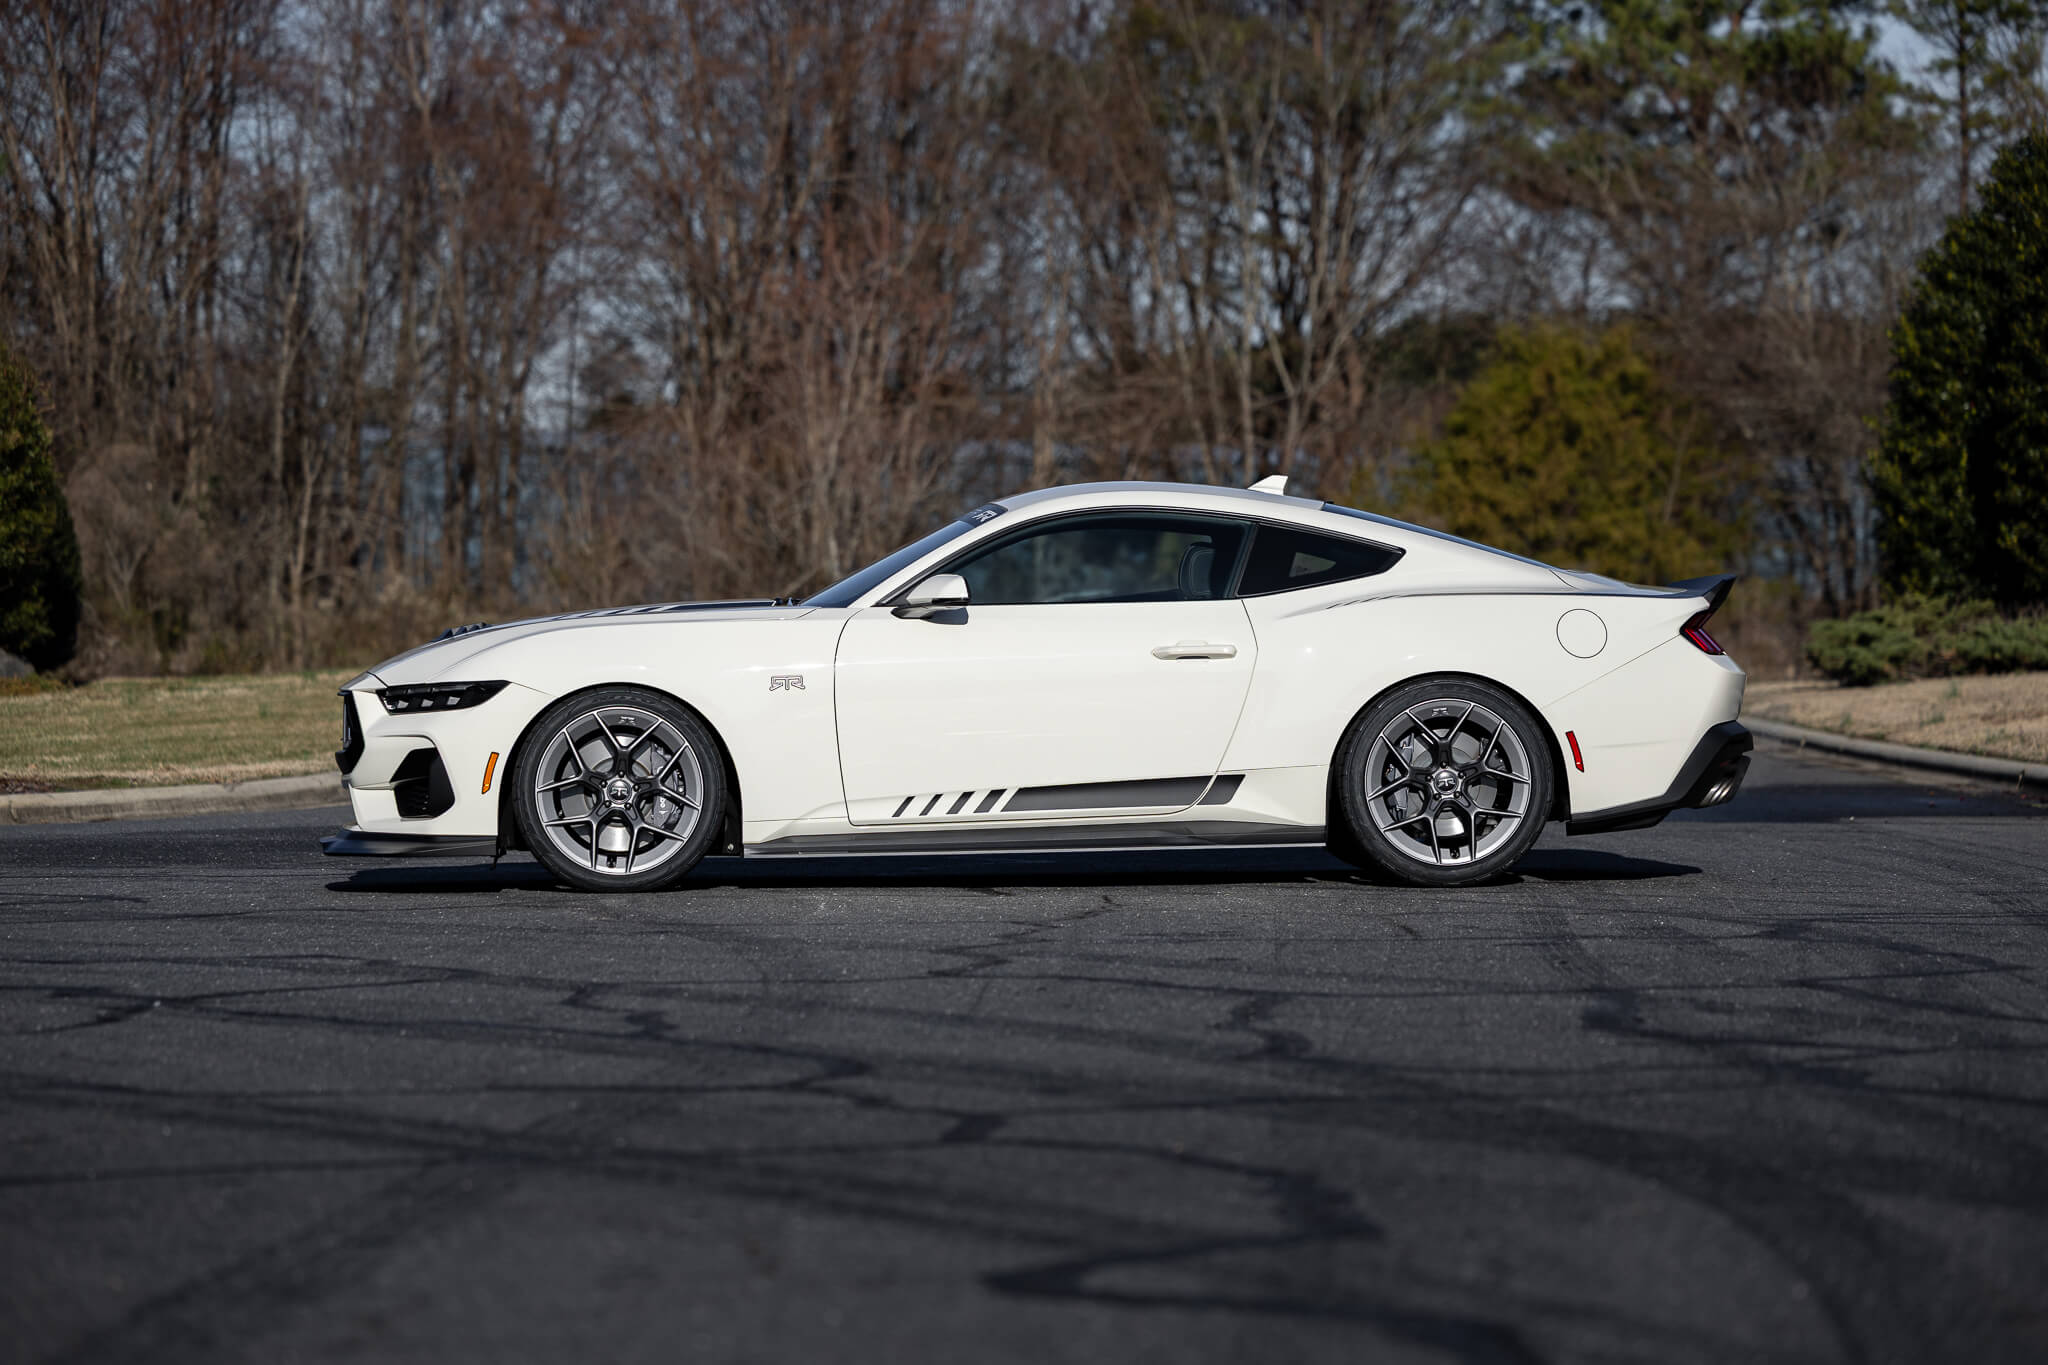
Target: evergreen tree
[(1569, 448), (1962, 471), (38, 549)]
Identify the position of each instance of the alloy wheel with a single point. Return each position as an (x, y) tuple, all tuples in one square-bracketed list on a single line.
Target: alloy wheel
[(619, 790), (1448, 781)]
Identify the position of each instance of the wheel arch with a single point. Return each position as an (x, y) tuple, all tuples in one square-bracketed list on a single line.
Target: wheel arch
[(1560, 801), (729, 832)]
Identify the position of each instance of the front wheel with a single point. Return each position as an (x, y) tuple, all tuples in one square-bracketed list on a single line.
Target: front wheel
[(619, 790), (1443, 782)]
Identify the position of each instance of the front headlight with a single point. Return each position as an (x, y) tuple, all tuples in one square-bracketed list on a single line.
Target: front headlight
[(437, 696)]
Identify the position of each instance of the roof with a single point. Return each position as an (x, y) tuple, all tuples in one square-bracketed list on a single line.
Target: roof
[(1246, 502), (1139, 487)]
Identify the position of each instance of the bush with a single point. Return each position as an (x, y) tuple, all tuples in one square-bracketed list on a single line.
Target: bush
[(1927, 637), (1570, 448), (1959, 475), (38, 548)]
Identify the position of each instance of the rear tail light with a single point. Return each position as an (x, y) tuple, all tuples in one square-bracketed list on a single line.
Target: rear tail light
[(1695, 630)]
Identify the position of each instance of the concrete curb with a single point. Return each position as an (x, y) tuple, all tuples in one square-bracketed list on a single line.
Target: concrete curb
[(1969, 765), (159, 803), (325, 789)]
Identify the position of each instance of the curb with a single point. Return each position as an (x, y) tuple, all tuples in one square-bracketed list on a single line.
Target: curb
[(156, 803), (1969, 765), (324, 789)]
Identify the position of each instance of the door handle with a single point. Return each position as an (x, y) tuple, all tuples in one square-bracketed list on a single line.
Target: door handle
[(1194, 649)]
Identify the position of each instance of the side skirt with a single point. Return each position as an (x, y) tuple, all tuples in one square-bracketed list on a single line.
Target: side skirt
[(1074, 839)]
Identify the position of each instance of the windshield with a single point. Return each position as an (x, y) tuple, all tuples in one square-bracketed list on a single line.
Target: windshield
[(847, 591)]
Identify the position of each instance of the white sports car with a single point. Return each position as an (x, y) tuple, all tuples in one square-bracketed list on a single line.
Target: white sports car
[(1108, 666)]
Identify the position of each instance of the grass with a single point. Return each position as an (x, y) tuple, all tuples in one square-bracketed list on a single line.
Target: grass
[(148, 732), (2001, 716)]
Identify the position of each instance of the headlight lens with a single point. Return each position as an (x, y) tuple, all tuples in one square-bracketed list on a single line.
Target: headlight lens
[(437, 696)]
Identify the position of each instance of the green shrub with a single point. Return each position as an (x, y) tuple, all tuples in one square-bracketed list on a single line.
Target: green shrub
[(1999, 646), (1927, 637), (38, 548), (1864, 649)]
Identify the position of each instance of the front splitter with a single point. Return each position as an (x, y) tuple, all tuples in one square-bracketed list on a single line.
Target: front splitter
[(362, 843)]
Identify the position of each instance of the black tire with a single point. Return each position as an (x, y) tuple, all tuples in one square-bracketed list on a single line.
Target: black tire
[(1394, 813), (675, 760)]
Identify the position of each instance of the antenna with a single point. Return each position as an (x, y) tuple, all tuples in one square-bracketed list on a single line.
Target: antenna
[(1276, 484)]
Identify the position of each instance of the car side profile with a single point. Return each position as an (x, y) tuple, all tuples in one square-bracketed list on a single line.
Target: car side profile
[(1103, 666)]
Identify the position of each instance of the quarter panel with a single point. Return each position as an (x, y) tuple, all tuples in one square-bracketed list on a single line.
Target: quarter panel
[(1319, 662), (1324, 653)]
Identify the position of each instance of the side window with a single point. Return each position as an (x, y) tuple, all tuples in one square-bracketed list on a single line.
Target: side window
[(1110, 558), (1285, 557)]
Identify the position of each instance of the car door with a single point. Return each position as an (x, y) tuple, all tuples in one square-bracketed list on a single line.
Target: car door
[(1098, 670)]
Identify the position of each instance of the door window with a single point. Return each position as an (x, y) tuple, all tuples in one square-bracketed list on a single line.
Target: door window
[(1110, 558)]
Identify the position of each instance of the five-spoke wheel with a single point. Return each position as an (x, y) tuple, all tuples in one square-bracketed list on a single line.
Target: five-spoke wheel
[(620, 789), (1443, 782)]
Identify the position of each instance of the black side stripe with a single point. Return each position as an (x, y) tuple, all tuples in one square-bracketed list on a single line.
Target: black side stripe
[(1158, 791), (988, 803), (957, 805)]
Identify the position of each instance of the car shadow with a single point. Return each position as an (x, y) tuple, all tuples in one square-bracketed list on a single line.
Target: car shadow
[(1205, 867), (1902, 798)]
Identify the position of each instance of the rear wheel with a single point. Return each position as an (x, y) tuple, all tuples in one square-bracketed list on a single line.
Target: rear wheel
[(619, 790), (1442, 782)]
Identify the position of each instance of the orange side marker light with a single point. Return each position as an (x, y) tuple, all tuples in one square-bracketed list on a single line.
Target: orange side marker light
[(492, 766), (1577, 761)]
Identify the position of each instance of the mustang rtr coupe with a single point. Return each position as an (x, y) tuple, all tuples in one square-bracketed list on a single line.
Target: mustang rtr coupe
[(1107, 666)]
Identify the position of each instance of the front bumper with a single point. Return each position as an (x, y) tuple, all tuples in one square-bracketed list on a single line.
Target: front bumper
[(429, 775), (1711, 777)]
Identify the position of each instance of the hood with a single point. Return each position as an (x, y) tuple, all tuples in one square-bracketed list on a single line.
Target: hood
[(435, 660)]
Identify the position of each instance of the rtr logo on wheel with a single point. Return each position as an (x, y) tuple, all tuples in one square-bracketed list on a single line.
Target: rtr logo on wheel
[(786, 682)]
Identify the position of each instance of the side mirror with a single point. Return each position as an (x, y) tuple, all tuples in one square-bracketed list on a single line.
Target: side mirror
[(940, 592)]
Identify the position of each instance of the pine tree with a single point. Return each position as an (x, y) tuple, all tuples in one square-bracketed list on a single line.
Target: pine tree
[(1961, 473), (38, 548)]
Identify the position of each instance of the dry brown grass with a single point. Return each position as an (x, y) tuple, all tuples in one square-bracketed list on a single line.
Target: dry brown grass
[(2002, 717), (147, 732), (160, 731)]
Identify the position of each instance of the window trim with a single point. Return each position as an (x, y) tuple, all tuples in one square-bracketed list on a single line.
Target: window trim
[(1251, 523)]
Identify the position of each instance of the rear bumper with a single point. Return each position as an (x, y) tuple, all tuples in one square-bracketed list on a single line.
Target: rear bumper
[(362, 843), (1711, 776)]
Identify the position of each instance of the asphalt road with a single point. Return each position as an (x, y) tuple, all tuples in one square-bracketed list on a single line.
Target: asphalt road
[(1764, 1083)]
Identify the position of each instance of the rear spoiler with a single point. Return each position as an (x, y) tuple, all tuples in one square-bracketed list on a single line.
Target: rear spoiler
[(1714, 587)]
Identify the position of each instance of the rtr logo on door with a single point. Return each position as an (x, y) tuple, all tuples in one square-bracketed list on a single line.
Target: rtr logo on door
[(786, 682)]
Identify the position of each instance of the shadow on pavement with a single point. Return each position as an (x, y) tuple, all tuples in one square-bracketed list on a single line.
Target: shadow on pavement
[(1826, 802), (1206, 868)]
